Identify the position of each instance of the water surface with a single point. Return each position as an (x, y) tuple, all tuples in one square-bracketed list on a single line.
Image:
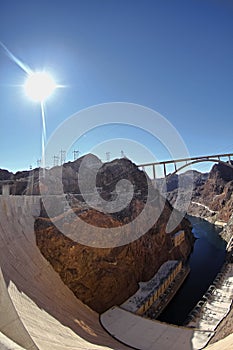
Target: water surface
[(205, 262)]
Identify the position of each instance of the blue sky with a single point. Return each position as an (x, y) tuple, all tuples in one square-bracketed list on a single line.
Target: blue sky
[(174, 56)]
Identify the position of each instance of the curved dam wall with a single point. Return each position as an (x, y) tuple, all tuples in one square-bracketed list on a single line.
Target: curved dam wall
[(37, 311)]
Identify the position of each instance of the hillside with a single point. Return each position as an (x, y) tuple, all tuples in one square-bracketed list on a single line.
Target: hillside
[(212, 196), (103, 277)]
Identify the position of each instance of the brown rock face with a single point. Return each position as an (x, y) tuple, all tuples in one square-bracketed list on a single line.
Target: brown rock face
[(217, 191), (103, 277), (228, 230), (212, 193)]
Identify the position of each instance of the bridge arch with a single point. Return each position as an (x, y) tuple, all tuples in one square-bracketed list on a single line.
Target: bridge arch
[(216, 158), (201, 161)]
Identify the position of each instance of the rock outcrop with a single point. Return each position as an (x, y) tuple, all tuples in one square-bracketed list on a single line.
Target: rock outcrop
[(5, 175), (216, 193), (212, 196), (103, 277), (227, 232)]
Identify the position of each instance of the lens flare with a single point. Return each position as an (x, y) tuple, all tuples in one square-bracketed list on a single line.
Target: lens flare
[(39, 86), (15, 59)]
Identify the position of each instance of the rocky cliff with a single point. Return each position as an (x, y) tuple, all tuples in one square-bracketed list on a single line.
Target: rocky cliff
[(216, 193), (212, 196), (227, 232), (6, 175), (103, 277)]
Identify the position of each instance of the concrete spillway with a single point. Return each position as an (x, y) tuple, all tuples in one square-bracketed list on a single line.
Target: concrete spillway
[(37, 311)]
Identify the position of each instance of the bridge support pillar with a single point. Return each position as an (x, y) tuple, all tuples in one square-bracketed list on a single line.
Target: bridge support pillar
[(154, 173), (164, 169)]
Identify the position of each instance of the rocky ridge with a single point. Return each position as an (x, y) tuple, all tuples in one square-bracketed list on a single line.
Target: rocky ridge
[(212, 195), (103, 277)]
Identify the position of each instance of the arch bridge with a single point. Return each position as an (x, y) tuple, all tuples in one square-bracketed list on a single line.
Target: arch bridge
[(180, 164)]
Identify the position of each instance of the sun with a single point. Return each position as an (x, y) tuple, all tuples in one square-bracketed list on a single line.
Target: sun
[(39, 86)]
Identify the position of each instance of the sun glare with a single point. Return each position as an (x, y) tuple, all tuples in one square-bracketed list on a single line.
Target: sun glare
[(39, 86)]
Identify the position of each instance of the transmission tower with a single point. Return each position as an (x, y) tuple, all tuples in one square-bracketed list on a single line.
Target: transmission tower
[(122, 154), (55, 160), (76, 154), (38, 162), (63, 156), (108, 156)]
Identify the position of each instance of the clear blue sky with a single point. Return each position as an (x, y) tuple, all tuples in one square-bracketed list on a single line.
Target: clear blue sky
[(175, 56)]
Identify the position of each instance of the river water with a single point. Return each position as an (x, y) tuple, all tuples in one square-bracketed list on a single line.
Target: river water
[(205, 262)]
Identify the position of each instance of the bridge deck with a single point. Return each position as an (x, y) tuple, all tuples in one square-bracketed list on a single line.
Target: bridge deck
[(187, 162), (179, 160)]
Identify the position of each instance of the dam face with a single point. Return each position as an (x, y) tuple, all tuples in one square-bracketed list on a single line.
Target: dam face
[(38, 312)]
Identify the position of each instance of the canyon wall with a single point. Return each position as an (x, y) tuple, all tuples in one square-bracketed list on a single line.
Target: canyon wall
[(103, 277)]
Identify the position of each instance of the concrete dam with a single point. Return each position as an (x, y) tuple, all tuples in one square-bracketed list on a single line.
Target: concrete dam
[(37, 310)]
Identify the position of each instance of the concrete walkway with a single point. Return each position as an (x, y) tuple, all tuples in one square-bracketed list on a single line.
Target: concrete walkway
[(142, 333)]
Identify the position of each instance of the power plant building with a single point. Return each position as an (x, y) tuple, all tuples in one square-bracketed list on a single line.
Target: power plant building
[(149, 292)]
